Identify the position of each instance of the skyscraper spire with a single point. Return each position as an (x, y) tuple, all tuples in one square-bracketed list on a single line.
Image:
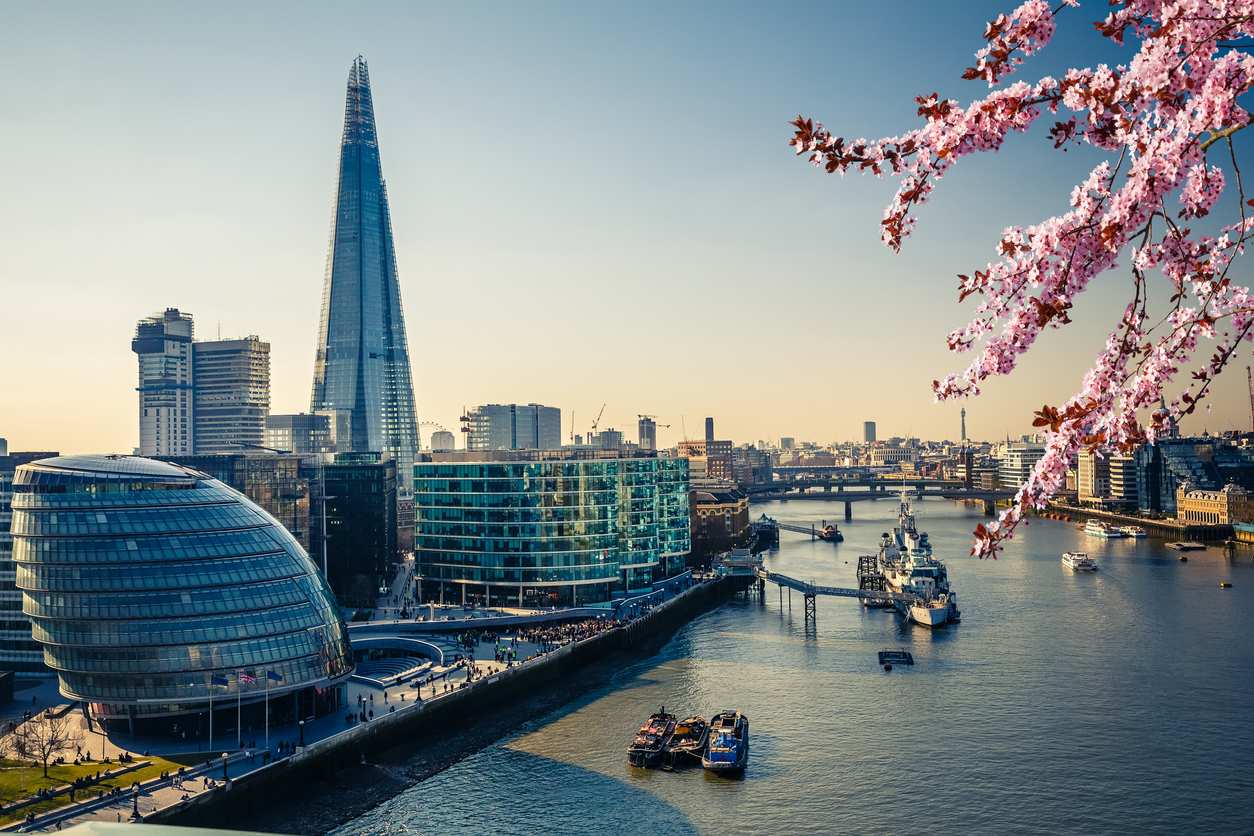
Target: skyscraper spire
[(362, 359)]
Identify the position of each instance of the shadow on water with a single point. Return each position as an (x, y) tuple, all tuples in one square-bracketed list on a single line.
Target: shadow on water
[(506, 791)]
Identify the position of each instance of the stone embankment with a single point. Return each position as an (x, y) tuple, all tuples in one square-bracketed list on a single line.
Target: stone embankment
[(255, 794), (1169, 529)]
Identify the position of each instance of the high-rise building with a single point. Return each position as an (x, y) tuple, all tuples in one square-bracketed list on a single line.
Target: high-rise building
[(443, 441), (964, 423), (787, 443), (362, 359), (1093, 479), (361, 525), (497, 426), (163, 342), (648, 433), (231, 385), (709, 429), (18, 649), (303, 433), (868, 432)]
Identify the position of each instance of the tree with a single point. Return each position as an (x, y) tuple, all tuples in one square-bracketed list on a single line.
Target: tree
[(43, 737), (1159, 117)]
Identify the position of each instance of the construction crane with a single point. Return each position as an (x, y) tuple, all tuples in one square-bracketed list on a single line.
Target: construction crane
[(598, 420), (1250, 379), (654, 419), (572, 426)]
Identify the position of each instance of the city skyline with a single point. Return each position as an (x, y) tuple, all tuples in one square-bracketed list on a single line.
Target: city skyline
[(522, 195)]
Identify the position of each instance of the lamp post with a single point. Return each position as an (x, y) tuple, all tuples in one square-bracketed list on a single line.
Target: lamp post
[(302, 733), (224, 757), (135, 803)]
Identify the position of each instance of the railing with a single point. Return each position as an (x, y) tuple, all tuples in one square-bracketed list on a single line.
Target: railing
[(811, 589)]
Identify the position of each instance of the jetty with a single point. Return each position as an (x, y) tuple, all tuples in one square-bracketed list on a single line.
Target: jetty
[(810, 592)]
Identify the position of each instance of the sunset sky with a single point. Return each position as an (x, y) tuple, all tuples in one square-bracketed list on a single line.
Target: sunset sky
[(591, 204)]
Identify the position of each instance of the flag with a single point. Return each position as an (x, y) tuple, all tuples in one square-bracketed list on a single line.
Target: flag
[(244, 676), (274, 677), (218, 680)]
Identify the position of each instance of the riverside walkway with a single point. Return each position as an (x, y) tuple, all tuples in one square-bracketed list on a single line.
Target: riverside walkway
[(444, 677)]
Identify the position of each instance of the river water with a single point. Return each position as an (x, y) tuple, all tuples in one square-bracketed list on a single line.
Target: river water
[(1120, 701)]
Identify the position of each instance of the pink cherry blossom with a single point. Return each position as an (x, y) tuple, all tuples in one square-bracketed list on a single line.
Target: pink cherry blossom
[(1167, 119)]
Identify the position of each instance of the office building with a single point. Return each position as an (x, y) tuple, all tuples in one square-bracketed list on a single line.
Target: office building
[(276, 483), (1017, 462), (868, 432), (609, 439), (513, 427), (362, 359), (647, 434), (231, 386), (362, 522), (1230, 504), (18, 649), (787, 443), (163, 343), (714, 457), (1206, 463), (304, 434), (1093, 476), (443, 441), (548, 528), (709, 429), (1123, 480), (154, 588)]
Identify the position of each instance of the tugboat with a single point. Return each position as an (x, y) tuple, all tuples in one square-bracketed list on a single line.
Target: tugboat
[(689, 739), (646, 749), (729, 743)]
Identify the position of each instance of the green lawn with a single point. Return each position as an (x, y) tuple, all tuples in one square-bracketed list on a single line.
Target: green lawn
[(12, 774)]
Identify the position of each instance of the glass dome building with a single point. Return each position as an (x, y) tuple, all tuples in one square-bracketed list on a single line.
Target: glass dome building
[(155, 589)]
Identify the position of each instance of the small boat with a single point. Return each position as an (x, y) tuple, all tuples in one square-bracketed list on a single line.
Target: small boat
[(1097, 528), (1225, 585), (1078, 561), (901, 657), (728, 750), (831, 534), (1183, 546), (646, 749), (690, 738), (1132, 531)]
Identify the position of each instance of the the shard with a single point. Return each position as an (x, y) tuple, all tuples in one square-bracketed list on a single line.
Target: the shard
[(362, 362)]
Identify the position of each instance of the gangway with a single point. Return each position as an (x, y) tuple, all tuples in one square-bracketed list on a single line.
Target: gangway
[(810, 591), (815, 532)]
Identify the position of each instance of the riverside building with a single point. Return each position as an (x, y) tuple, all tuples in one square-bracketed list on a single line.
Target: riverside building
[(548, 527), (155, 589), (18, 649)]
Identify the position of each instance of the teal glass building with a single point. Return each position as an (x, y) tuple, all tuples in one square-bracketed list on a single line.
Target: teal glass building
[(153, 588), (555, 532)]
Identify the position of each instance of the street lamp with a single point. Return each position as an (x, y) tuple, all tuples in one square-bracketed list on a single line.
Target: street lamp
[(224, 757), (135, 807), (302, 733)]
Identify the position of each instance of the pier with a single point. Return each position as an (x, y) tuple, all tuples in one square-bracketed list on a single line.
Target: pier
[(811, 591), (834, 491)]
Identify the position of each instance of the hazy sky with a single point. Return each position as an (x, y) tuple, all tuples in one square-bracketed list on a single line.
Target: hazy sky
[(591, 204)]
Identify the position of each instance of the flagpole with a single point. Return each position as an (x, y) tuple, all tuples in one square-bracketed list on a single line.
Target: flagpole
[(211, 686), (239, 726), (267, 711)]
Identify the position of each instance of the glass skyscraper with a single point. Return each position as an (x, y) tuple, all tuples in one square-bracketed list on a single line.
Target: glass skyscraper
[(362, 360)]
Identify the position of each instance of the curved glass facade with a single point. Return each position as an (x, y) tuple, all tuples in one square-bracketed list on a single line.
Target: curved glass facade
[(549, 532), (149, 585)]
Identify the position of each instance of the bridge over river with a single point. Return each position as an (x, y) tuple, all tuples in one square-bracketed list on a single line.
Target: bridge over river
[(833, 492)]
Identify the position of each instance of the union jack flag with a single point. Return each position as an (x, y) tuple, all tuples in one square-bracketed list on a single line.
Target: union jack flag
[(247, 677)]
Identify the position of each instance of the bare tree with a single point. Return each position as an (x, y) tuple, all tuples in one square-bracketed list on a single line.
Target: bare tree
[(43, 737)]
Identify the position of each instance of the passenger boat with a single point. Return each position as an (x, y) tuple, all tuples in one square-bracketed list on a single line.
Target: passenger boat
[(728, 750), (646, 749), (1132, 531), (908, 567), (1097, 528), (1078, 561), (690, 738), (831, 534)]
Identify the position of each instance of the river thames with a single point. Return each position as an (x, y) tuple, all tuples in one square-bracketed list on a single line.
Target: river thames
[(1114, 702)]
